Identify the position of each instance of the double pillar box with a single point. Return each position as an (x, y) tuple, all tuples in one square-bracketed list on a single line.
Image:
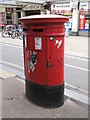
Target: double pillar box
[(43, 45)]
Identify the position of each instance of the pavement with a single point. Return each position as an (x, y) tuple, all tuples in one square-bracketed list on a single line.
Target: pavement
[(16, 105)]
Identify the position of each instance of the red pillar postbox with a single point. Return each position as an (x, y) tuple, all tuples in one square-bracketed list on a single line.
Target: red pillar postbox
[(43, 44)]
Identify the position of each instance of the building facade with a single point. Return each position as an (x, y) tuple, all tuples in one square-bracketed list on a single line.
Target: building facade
[(11, 12), (79, 15), (2, 15), (84, 17)]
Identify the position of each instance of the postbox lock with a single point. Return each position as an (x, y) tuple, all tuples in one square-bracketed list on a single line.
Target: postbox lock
[(48, 65), (32, 60)]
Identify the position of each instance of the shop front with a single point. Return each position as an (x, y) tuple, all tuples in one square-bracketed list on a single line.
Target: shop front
[(31, 9), (65, 10), (2, 14), (9, 12), (84, 18)]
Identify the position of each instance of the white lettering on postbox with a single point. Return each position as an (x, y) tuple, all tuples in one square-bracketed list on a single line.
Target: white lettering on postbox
[(58, 43)]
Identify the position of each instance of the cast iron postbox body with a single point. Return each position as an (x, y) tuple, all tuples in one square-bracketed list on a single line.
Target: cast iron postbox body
[(43, 44)]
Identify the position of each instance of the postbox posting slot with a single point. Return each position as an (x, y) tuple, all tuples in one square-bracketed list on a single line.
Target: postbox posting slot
[(24, 29), (37, 30)]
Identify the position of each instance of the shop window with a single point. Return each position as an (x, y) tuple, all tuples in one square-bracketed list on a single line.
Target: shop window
[(19, 15), (9, 16), (87, 23), (1, 18)]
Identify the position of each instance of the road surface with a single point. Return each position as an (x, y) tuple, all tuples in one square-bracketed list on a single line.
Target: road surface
[(75, 72)]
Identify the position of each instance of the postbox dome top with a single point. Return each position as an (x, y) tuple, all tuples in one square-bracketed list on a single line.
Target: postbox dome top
[(43, 19), (43, 16)]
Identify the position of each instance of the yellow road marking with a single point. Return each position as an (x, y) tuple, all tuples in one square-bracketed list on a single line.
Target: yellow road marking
[(4, 74)]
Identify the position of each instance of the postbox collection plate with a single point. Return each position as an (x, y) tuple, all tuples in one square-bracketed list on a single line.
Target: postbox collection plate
[(38, 43)]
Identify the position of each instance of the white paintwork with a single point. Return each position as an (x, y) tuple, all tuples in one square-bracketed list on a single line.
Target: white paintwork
[(43, 16), (77, 96)]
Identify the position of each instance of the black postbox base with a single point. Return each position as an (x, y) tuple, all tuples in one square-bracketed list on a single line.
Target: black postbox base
[(45, 96)]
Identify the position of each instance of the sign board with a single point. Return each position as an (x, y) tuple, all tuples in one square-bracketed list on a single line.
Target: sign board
[(81, 22), (73, 4), (32, 7), (66, 6), (62, 7), (56, 7), (84, 6)]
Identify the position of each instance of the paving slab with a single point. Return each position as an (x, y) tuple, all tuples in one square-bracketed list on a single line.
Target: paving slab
[(4, 74), (77, 46), (11, 41), (16, 105)]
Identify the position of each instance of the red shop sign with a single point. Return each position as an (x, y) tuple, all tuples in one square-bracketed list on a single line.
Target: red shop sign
[(81, 22)]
